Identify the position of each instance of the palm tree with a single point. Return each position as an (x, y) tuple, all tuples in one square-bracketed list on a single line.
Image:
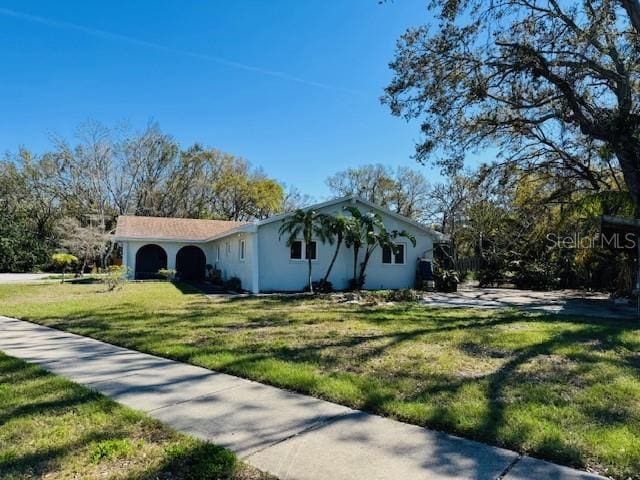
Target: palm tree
[(368, 231), (373, 230), (308, 224), (380, 236), (353, 239), (360, 233), (335, 227)]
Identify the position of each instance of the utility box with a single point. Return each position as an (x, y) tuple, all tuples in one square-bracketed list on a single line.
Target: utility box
[(424, 276)]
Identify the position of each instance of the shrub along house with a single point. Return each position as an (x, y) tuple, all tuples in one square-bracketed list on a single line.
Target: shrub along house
[(262, 258)]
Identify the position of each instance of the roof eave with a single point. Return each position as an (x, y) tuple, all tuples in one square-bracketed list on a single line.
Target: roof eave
[(248, 228), (328, 203), (355, 198), (122, 238)]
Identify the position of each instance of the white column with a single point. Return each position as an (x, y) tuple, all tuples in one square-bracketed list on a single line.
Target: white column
[(171, 250), (126, 260)]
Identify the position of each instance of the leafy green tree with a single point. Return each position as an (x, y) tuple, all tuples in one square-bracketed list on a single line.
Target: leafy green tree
[(267, 197), (309, 225), (103, 172), (241, 193), (64, 261), (511, 221), (29, 208)]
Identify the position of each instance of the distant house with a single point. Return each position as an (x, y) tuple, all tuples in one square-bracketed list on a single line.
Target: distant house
[(255, 253)]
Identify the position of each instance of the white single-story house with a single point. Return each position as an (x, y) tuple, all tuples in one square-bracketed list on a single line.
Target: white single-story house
[(255, 253)]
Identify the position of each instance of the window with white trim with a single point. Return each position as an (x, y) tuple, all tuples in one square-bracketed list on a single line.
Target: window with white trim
[(218, 253), (227, 247), (241, 248), (389, 257)]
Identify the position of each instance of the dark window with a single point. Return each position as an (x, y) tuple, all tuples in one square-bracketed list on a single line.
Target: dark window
[(386, 254), (390, 257), (296, 250), (311, 251)]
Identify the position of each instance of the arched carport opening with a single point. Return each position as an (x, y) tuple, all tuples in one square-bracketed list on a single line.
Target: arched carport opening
[(149, 259), (190, 263)]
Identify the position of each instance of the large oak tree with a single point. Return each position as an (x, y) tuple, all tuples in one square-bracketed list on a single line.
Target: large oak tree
[(555, 85)]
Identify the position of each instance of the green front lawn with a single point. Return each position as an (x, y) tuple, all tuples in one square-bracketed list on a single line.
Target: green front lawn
[(55, 429), (564, 389)]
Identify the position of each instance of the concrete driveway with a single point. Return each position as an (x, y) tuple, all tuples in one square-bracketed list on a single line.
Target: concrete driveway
[(565, 302), (22, 277)]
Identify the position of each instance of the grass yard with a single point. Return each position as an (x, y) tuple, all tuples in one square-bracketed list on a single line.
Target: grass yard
[(563, 389), (55, 429)]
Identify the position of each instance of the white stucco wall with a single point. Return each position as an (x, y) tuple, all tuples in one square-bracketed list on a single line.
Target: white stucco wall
[(230, 263), (278, 273)]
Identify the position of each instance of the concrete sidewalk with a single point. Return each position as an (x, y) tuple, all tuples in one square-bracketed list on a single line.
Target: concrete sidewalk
[(25, 277), (290, 435)]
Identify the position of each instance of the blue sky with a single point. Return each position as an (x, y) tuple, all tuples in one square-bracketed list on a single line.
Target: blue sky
[(293, 86)]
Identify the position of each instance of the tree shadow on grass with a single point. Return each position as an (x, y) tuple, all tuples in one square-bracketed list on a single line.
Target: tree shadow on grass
[(551, 374), (581, 373), (187, 288), (53, 427), (578, 340), (43, 461), (194, 461)]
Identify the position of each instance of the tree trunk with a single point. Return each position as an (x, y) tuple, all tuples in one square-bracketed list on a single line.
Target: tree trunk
[(356, 251), (333, 260), (633, 11), (628, 154), (107, 254), (108, 251), (85, 262), (363, 266)]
